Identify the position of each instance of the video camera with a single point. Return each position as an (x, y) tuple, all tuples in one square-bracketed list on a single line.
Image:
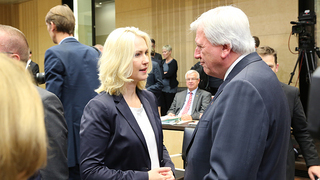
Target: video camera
[(40, 78), (304, 27)]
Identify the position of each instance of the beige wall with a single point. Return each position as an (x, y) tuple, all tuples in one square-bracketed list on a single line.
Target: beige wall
[(168, 22)]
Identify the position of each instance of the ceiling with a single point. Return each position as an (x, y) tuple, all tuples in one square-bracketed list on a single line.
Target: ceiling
[(11, 1)]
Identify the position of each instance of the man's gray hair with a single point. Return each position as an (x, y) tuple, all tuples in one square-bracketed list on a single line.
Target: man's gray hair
[(190, 72), (226, 25)]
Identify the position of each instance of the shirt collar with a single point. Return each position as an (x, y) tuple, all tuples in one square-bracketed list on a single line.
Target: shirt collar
[(28, 62), (66, 38), (233, 65), (193, 92)]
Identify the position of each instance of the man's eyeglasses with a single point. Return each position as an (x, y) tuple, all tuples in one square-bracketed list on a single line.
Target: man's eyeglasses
[(7, 52), (191, 79)]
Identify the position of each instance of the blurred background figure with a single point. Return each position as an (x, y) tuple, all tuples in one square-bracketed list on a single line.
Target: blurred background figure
[(170, 82), (256, 41), (32, 66), (23, 146), (208, 83), (98, 47), (157, 56), (154, 80), (121, 133)]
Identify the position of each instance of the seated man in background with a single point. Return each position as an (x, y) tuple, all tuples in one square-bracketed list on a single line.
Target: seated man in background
[(191, 103), (298, 122)]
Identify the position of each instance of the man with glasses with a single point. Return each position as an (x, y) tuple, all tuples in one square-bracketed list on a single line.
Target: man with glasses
[(191, 103), (14, 44)]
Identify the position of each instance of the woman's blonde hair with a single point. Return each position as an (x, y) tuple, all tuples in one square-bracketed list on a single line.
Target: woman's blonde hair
[(116, 62), (23, 144)]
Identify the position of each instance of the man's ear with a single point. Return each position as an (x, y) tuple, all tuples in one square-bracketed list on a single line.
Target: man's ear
[(53, 27), (226, 49), (15, 56), (277, 67)]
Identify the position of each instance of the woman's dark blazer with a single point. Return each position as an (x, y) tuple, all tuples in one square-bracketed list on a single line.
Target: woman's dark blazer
[(172, 73), (112, 145)]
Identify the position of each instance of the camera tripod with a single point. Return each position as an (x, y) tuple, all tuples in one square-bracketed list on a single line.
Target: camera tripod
[(303, 57)]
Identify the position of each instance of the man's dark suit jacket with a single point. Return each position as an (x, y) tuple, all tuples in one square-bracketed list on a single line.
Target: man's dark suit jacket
[(154, 81), (33, 67), (112, 144), (299, 130), (158, 58), (244, 132), (200, 103), (72, 75), (56, 127)]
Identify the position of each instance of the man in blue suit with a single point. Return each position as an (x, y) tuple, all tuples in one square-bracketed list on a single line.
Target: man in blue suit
[(71, 74), (244, 132)]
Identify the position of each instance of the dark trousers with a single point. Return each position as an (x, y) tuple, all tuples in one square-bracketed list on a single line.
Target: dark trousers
[(74, 173), (166, 102)]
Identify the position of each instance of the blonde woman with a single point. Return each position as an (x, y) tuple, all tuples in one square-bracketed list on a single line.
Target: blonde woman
[(121, 133), (22, 131)]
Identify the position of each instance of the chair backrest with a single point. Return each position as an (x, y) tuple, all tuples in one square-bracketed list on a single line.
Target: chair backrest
[(186, 140)]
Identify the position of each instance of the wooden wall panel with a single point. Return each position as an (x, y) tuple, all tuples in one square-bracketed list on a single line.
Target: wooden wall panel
[(169, 23), (271, 23), (9, 15)]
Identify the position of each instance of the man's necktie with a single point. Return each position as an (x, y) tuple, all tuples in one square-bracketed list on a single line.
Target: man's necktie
[(186, 109)]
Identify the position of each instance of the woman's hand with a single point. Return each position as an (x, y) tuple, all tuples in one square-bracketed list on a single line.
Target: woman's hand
[(163, 173)]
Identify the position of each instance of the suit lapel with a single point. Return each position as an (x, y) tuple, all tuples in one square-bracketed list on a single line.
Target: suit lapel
[(253, 57), (124, 109)]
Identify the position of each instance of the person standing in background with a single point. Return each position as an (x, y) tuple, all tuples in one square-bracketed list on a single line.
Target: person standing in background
[(170, 82), (32, 66), (298, 122), (256, 41), (208, 83), (157, 56), (71, 73), (154, 80)]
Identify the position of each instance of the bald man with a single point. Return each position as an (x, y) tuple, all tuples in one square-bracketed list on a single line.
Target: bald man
[(15, 45)]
